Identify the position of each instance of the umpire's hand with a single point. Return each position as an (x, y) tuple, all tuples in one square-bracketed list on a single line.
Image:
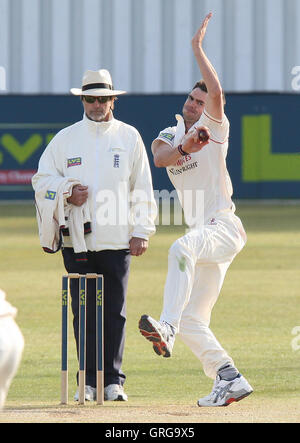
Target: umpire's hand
[(79, 195), (138, 246)]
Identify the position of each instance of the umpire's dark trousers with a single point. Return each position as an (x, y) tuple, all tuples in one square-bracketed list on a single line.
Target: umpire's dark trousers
[(114, 265)]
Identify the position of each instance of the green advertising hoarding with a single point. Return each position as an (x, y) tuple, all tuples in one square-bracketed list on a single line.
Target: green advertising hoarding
[(264, 149)]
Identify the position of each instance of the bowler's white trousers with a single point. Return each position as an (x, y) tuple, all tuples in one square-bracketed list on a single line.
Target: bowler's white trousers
[(11, 348), (197, 265)]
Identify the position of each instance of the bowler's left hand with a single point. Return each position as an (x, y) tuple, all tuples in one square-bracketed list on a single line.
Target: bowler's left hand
[(199, 36), (138, 246)]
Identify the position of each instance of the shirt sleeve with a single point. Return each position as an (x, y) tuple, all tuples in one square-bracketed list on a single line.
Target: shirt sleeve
[(49, 167), (47, 164), (167, 135), (143, 204), (219, 129)]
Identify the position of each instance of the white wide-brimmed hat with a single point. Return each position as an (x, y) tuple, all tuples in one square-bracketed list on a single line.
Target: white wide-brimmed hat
[(97, 83)]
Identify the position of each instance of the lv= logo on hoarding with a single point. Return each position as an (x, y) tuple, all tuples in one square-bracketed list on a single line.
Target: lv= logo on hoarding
[(21, 146), (21, 152)]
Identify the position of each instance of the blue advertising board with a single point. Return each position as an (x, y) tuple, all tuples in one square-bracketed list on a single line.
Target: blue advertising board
[(264, 149)]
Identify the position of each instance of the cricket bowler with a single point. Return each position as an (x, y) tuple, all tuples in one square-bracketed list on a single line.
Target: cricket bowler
[(194, 154)]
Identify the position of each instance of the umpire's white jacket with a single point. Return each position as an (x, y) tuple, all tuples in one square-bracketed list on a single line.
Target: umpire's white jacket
[(110, 158)]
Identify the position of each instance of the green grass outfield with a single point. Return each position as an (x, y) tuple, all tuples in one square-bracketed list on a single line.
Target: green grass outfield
[(253, 319)]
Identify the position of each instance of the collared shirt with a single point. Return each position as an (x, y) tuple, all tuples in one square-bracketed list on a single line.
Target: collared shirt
[(201, 179), (110, 158)]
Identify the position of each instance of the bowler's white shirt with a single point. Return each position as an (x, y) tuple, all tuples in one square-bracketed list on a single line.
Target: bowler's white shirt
[(110, 158), (201, 179)]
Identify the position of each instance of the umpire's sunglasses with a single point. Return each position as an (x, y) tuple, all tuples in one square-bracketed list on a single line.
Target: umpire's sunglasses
[(90, 99)]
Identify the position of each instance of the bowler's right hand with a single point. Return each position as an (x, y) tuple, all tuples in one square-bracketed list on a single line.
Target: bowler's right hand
[(79, 195), (191, 141)]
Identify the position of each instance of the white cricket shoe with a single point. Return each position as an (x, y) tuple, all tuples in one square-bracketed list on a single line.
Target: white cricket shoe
[(115, 392), (90, 394), (225, 392), (160, 333)]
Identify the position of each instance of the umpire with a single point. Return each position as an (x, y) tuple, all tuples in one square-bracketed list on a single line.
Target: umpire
[(107, 167)]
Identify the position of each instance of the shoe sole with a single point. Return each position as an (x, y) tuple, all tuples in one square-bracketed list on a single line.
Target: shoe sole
[(229, 401), (150, 333), (232, 400), (119, 398)]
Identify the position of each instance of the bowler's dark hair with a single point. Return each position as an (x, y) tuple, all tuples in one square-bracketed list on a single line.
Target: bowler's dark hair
[(201, 85)]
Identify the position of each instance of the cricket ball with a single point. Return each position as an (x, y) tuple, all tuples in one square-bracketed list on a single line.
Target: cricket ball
[(203, 135)]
